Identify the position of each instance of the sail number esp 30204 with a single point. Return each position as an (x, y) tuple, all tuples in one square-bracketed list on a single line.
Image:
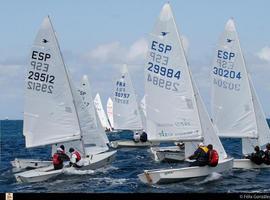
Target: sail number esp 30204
[(39, 78), (225, 75), (159, 73)]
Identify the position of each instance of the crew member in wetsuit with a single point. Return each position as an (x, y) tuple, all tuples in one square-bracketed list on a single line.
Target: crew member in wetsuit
[(212, 156), (267, 155), (200, 156), (258, 156), (75, 159), (59, 157)]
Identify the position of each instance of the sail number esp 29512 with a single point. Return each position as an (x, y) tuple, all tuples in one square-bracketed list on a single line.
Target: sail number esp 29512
[(39, 78)]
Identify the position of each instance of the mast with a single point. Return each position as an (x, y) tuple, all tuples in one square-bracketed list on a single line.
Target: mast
[(76, 111)]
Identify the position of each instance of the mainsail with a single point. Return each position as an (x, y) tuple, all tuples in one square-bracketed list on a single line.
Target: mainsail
[(110, 111), (175, 110), (235, 106), (232, 107), (50, 114), (95, 141), (101, 113), (171, 110), (126, 114)]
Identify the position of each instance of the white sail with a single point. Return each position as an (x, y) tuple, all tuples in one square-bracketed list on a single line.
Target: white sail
[(126, 114), (143, 105), (110, 111), (101, 113), (94, 138), (172, 113), (232, 107), (142, 108), (263, 128), (49, 112)]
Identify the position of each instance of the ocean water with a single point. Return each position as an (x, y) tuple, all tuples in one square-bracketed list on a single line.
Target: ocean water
[(121, 175)]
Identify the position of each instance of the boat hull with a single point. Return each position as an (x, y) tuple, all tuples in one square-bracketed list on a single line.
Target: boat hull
[(168, 154), (131, 144), (180, 174), (46, 173), (24, 164), (247, 164)]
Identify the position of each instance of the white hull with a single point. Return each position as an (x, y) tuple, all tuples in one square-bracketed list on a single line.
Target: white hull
[(131, 143), (45, 173), (23, 164), (247, 164), (170, 154), (179, 174)]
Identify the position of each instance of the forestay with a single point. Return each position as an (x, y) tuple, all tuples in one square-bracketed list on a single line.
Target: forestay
[(110, 111), (232, 107), (126, 114), (171, 110), (101, 113), (95, 140), (49, 112)]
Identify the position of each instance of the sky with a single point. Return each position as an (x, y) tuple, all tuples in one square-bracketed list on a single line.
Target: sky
[(98, 37)]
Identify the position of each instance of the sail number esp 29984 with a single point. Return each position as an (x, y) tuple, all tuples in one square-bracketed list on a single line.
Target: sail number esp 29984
[(39, 78), (159, 73)]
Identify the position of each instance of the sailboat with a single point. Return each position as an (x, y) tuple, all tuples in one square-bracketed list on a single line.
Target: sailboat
[(110, 112), (54, 111), (126, 112), (101, 113), (237, 112), (172, 153), (174, 107)]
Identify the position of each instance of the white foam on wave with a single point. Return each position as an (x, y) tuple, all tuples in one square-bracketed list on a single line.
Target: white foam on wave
[(111, 181), (212, 177), (72, 170), (106, 169)]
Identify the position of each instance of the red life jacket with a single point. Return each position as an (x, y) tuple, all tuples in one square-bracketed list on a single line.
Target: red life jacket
[(78, 156), (214, 159), (56, 159)]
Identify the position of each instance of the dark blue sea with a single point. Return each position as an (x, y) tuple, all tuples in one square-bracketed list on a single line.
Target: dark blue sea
[(121, 176)]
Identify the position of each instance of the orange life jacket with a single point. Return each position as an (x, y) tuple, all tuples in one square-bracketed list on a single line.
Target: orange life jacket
[(214, 158)]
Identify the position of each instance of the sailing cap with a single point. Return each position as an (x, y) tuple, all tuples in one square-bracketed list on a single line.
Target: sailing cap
[(59, 149), (201, 144)]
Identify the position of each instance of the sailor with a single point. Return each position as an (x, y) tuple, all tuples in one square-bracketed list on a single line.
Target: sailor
[(75, 158), (136, 137), (212, 156), (200, 155), (59, 157), (267, 155), (258, 156), (143, 136), (181, 145)]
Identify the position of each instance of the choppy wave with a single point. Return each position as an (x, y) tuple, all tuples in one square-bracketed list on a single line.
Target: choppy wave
[(121, 175)]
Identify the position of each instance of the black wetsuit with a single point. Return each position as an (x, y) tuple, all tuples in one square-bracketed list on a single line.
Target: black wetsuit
[(258, 157), (267, 157), (201, 158), (143, 137)]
